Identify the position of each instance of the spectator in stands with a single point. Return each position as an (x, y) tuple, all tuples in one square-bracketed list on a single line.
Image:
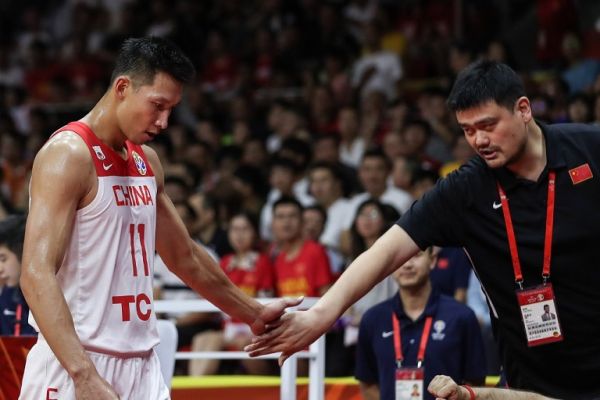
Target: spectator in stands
[(15, 169), (15, 312), (326, 148), (402, 173), (417, 137), (580, 73), (327, 187), (251, 271), (372, 219), (301, 266), (378, 70), (250, 185), (373, 175), (314, 218), (579, 109), (434, 332), (282, 176), (352, 145), (207, 226)]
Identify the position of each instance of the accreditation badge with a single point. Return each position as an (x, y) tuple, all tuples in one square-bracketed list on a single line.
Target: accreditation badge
[(540, 317), (409, 383)]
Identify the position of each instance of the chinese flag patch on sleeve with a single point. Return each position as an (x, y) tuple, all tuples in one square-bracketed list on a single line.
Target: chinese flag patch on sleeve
[(581, 173)]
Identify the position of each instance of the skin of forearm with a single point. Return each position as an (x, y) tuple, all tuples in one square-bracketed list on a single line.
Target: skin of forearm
[(367, 269), (47, 303), (206, 277), (505, 394)]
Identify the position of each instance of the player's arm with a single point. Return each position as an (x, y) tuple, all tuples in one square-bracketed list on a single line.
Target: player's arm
[(369, 391), (197, 269), (61, 177), (299, 329), (443, 387)]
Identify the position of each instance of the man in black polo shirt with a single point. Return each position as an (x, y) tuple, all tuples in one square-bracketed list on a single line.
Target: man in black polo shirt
[(525, 210)]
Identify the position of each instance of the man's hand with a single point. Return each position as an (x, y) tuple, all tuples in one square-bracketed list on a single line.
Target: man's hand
[(443, 387), (93, 387), (295, 331), (270, 314)]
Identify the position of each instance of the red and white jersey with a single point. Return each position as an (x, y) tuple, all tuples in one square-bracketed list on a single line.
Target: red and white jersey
[(106, 275)]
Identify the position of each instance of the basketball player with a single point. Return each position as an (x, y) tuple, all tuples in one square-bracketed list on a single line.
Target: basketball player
[(98, 213)]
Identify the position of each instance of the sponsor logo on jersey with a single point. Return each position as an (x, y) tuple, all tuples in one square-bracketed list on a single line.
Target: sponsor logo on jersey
[(99, 153), (139, 163), (132, 196)]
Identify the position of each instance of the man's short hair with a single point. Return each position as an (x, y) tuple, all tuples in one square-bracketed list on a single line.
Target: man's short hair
[(333, 169), (485, 81), (143, 58), (377, 152), (288, 200), (12, 233), (319, 209)]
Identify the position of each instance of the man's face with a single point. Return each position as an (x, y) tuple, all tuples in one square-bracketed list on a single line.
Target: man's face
[(348, 123), (546, 308), (143, 110), (323, 186), (241, 234), (373, 174), (282, 179), (497, 135), (312, 224), (415, 272), (287, 223), (326, 150), (10, 267)]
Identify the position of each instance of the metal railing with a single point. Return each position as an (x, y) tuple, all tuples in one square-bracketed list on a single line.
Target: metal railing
[(315, 353)]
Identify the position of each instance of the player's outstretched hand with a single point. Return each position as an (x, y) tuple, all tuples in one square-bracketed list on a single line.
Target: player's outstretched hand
[(271, 312), (93, 387), (444, 388), (295, 331)]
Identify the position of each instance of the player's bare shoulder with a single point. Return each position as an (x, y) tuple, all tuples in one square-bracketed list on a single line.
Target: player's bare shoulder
[(64, 161)]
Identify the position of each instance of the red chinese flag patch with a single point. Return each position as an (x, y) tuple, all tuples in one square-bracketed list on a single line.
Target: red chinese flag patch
[(581, 174)]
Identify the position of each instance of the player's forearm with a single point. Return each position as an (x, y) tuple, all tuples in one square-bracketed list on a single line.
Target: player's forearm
[(506, 394), (52, 315), (204, 276)]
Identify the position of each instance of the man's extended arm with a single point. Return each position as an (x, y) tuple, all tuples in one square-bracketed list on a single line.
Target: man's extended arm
[(299, 329), (443, 387), (198, 270), (60, 180)]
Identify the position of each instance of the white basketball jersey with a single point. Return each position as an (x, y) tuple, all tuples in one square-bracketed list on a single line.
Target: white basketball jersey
[(106, 275)]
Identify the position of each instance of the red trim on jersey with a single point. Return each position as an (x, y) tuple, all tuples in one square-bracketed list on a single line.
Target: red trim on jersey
[(106, 161)]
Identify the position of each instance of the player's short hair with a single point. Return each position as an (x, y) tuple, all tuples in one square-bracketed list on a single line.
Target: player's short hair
[(142, 58)]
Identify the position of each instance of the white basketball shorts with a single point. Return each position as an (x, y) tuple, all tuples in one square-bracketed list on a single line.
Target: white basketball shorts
[(133, 378)]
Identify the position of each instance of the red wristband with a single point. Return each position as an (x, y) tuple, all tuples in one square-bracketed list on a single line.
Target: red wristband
[(471, 392)]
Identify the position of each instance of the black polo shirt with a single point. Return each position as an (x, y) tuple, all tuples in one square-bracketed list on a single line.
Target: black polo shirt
[(462, 210)]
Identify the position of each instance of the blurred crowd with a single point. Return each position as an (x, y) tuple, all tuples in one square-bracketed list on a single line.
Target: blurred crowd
[(309, 122)]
